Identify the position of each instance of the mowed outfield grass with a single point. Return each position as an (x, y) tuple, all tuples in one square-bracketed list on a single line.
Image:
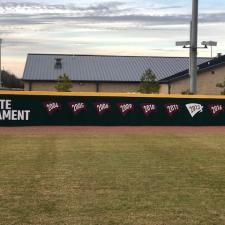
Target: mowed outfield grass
[(112, 179)]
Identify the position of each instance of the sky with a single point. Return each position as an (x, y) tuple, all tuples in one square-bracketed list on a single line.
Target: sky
[(109, 27)]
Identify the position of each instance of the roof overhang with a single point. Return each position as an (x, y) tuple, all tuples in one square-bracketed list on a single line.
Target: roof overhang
[(215, 63)]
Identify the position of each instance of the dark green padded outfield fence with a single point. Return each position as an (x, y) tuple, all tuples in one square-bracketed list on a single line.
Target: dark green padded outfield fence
[(23, 108)]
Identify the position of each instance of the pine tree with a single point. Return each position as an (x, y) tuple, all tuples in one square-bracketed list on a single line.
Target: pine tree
[(148, 83), (64, 84)]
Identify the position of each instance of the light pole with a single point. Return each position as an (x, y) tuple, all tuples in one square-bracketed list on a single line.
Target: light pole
[(193, 45), (0, 63), (194, 48)]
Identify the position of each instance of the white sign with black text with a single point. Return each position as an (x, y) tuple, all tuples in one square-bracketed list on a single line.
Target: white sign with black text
[(8, 113), (194, 108)]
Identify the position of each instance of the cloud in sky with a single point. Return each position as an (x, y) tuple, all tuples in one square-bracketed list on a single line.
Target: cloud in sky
[(141, 27)]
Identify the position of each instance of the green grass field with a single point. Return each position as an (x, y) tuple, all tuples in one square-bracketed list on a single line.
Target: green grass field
[(114, 179)]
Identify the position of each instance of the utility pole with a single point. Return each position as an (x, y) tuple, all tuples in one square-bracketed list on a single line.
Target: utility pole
[(194, 47)]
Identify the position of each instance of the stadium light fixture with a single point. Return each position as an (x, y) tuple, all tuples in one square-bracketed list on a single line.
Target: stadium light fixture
[(211, 44), (183, 43)]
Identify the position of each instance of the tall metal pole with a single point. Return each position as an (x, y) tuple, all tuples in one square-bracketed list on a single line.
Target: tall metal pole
[(0, 63), (211, 51), (194, 49), (190, 65)]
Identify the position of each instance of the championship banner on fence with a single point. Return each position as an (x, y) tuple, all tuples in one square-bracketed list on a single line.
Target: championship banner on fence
[(27, 108)]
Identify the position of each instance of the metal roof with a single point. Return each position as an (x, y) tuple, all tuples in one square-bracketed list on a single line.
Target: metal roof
[(41, 67), (211, 64)]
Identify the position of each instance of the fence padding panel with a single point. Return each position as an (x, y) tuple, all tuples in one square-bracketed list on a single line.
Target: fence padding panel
[(21, 109)]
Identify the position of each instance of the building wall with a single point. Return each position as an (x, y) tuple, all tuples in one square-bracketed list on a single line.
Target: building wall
[(206, 82), (164, 89), (118, 87), (50, 86), (91, 87), (84, 87), (179, 86)]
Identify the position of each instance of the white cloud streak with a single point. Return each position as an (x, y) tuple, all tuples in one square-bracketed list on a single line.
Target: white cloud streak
[(110, 27)]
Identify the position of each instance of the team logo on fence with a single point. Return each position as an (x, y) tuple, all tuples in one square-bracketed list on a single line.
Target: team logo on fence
[(216, 109), (194, 108), (52, 107), (102, 107), (148, 108), (77, 107), (125, 108), (172, 108)]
